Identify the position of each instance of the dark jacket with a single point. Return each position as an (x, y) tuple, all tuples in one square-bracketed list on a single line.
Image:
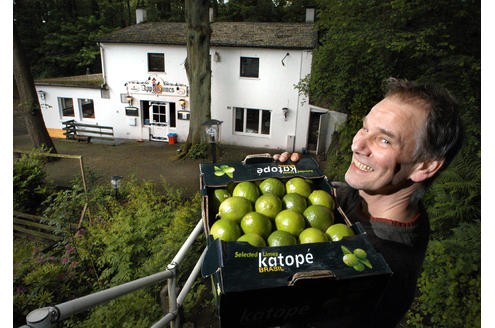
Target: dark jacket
[(402, 245)]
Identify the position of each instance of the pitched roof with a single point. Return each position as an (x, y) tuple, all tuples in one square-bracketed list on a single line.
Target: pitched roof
[(226, 34), (91, 81)]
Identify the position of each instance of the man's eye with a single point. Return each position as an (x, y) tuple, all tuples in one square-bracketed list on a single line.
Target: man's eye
[(385, 141)]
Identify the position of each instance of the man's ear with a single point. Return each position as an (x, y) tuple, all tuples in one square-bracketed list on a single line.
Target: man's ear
[(425, 170)]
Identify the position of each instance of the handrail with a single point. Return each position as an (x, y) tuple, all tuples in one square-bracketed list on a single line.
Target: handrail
[(44, 317)]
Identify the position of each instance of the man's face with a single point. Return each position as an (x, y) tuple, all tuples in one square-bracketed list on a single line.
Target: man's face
[(383, 148)]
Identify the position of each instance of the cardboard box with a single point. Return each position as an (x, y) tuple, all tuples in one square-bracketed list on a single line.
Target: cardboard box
[(270, 286)]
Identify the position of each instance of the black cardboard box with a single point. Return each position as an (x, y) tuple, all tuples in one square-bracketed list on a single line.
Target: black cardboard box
[(270, 286)]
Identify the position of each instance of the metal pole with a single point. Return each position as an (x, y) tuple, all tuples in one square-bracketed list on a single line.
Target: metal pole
[(77, 305), (190, 280), (182, 295), (172, 295), (189, 241), (214, 152)]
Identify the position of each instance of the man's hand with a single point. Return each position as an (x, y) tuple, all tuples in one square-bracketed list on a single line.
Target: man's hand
[(285, 156)]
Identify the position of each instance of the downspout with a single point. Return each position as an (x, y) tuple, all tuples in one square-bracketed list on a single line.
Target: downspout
[(298, 100), (103, 73)]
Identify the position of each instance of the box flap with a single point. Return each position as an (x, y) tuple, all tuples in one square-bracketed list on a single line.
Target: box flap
[(222, 174), (212, 261)]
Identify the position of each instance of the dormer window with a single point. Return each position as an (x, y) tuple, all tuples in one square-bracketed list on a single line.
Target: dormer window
[(156, 62), (250, 67)]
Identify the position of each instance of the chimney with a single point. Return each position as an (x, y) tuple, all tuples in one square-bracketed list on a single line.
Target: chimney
[(140, 12), (310, 15), (211, 13)]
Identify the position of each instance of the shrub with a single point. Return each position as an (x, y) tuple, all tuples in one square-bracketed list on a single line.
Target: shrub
[(450, 285), (30, 187)]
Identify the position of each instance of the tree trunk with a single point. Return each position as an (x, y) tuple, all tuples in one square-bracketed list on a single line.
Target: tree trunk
[(198, 67), (29, 105)]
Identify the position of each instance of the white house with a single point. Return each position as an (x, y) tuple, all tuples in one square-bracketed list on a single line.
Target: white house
[(143, 90)]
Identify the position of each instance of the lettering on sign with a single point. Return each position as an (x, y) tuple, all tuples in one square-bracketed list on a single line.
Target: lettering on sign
[(155, 85)]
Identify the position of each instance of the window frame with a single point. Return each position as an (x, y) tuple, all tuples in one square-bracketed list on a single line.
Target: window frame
[(245, 69), (62, 106), (156, 62), (261, 129), (81, 108)]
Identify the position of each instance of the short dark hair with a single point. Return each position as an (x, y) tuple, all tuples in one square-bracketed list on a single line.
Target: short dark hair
[(443, 134)]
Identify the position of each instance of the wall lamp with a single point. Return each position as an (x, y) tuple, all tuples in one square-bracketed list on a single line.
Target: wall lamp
[(216, 57), (129, 99), (42, 95), (182, 103), (285, 110), (286, 55)]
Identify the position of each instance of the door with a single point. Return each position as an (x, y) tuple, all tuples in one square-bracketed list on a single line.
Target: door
[(321, 145), (159, 121)]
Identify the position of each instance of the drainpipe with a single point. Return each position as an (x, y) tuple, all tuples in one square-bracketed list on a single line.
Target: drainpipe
[(103, 72)]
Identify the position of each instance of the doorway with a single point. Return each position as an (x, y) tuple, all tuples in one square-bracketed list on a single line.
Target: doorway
[(317, 132), (161, 117)]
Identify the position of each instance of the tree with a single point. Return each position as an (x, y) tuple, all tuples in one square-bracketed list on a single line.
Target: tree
[(29, 105), (198, 68)]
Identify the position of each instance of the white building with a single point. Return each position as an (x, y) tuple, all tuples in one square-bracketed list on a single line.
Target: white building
[(143, 92)]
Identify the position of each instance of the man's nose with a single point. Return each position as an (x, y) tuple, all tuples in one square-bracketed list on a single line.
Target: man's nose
[(360, 145)]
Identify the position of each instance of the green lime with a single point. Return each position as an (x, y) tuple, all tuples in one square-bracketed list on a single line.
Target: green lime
[(234, 208), (225, 230), (281, 238), (294, 202), (290, 221), (272, 186), (253, 239), (319, 216), (248, 190), (321, 197), (219, 195), (268, 205), (299, 186), (254, 222), (338, 231), (312, 235)]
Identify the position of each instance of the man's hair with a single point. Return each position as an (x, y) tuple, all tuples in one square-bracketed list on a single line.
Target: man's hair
[(443, 134)]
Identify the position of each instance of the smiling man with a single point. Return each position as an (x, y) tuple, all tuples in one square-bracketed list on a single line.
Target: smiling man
[(405, 141)]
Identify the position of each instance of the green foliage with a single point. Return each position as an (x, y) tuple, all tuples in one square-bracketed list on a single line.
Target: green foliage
[(30, 187), (363, 42), (455, 195), (123, 238), (450, 284), (198, 151)]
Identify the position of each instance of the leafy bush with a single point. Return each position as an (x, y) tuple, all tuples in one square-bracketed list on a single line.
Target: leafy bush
[(30, 187), (122, 239), (450, 285), (198, 151)]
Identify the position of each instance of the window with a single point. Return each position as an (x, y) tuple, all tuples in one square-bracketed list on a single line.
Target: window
[(250, 120), (250, 67), (66, 106), (87, 108), (156, 62)]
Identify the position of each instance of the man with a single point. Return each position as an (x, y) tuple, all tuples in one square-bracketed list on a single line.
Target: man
[(405, 141)]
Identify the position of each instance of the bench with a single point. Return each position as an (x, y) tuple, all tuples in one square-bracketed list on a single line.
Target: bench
[(85, 132), (30, 225)]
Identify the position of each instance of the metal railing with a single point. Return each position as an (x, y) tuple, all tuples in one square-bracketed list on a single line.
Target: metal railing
[(46, 316)]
